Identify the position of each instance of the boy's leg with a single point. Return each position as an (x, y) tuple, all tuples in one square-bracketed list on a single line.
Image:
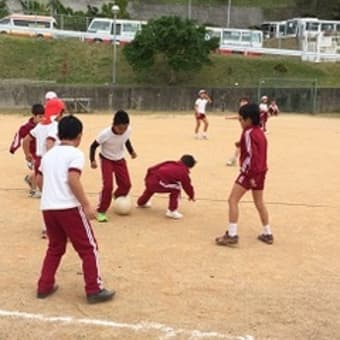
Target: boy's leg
[(230, 237), (235, 196), (260, 206), (266, 235), (56, 249), (174, 199), (122, 178), (107, 182), (206, 124), (145, 197), (198, 124), (80, 233)]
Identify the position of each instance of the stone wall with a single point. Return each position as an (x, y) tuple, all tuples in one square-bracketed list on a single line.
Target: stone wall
[(166, 98)]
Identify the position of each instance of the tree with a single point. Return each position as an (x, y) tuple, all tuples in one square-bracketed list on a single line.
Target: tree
[(3, 8), (318, 8), (181, 44)]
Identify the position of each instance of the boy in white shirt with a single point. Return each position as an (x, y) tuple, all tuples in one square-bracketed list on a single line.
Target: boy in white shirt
[(200, 113), (67, 211), (113, 141)]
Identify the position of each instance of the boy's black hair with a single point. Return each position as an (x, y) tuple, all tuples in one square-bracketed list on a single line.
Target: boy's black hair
[(121, 117), (244, 99), (69, 128), (37, 109), (188, 160), (251, 111)]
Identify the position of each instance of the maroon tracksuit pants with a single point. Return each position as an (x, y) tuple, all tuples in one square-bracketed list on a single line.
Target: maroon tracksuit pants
[(154, 185), (121, 173), (70, 224)]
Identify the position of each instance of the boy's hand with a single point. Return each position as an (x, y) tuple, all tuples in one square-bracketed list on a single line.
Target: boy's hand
[(90, 212), (133, 155), (192, 199), (237, 144), (94, 165)]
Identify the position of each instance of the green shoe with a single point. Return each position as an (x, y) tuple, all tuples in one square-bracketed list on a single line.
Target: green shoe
[(101, 217)]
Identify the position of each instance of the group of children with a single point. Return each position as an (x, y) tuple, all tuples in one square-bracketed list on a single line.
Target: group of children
[(58, 164)]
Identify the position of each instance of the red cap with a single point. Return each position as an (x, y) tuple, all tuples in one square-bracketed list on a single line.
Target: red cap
[(53, 107)]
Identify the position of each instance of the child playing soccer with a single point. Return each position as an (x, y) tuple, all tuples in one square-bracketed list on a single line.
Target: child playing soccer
[(169, 177), (273, 109), (200, 113), (112, 141), (44, 135), (252, 175), (37, 115), (233, 160), (67, 211), (263, 112)]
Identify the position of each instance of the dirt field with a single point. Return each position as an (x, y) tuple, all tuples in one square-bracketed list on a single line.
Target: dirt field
[(171, 280)]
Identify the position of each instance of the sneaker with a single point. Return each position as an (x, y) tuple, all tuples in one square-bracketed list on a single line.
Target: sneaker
[(226, 240), (204, 137), (45, 295), (268, 239), (27, 181), (35, 194), (102, 296), (231, 162), (173, 214), (101, 217), (146, 205)]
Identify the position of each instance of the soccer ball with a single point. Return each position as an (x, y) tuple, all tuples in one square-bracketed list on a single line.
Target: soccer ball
[(122, 205)]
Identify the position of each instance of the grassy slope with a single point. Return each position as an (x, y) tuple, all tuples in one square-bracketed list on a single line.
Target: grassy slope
[(72, 61)]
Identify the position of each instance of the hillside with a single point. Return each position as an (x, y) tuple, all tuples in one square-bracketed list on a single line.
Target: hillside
[(75, 62)]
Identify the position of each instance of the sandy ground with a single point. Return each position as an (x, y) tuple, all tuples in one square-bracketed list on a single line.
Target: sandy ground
[(170, 272)]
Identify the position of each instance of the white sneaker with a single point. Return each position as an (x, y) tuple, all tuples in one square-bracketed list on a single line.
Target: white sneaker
[(36, 194), (146, 205), (173, 214), (231, 162), (204, 137)]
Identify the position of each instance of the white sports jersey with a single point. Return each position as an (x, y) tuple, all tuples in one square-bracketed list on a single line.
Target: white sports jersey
[(263, 107), (40, 133), (201, 104), (53, 132), (112, 145), (55, 166)]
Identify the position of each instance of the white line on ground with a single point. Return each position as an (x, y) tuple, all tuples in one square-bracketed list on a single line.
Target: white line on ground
[(164, 330)]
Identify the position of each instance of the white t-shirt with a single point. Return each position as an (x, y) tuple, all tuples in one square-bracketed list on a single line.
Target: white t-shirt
[(55, 166), (263, 107), (201, 104), (53, 132), (112, 145), (40, 133)]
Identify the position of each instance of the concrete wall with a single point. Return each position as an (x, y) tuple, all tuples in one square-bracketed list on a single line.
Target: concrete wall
[(166, 98)]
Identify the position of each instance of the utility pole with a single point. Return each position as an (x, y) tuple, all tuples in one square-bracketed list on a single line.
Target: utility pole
[(189, 9), (228, 13)]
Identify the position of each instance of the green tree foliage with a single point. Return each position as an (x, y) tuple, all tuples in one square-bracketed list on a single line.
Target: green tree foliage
[(181, 44), (3, 8), (317, 8)]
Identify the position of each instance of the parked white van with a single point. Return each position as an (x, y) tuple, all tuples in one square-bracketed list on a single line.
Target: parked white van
[(28, 25), (101, 29)]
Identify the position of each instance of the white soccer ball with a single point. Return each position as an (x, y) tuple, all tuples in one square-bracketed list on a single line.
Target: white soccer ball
[(122, 205)]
